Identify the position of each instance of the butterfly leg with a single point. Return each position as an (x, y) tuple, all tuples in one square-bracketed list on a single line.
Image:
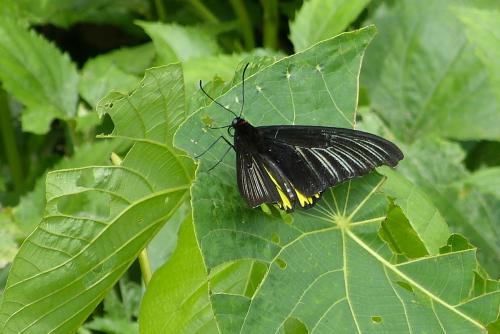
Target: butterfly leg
[(221, 159), (211, 145)]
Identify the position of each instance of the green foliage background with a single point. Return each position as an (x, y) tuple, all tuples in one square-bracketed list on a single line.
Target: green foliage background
[(100, 116)]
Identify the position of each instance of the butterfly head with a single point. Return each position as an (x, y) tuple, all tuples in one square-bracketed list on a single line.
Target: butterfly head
[(238, 121)]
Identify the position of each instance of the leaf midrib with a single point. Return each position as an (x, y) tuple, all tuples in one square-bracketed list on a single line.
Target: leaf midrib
[(394, 269)]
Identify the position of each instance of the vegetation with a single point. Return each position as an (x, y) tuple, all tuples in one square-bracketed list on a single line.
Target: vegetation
[(109, 225)]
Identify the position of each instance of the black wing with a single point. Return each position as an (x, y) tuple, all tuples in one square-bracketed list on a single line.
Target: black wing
[(261, 180), (254, 182), (313, 158)]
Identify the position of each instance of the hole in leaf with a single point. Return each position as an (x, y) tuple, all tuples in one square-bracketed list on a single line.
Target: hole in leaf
[(376, 319), (275, 238), (405, 285), (282, 264), (110, 105), (295, 326), (257, 274)]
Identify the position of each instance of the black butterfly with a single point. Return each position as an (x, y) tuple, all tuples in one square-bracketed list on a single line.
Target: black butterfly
[(294, 164)]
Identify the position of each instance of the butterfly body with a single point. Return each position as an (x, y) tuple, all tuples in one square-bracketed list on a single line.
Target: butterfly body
[(291, 165)]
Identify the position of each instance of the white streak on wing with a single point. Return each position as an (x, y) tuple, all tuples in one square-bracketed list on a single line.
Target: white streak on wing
[(368, 160), (261, 187), (324, 162), (350, 156), (341, 161), (254, 186), (299, 149), (367, 145)]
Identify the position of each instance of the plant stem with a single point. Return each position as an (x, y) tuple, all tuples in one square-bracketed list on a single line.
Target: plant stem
[(71, 137), (270, 23), (10, 145), (203, 11), (160, 10), (145, 266), (245, 24)]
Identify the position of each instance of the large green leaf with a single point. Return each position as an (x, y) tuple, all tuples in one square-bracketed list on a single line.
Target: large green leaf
[(98, 219), (424, 76), (321, 19), (332, 268), (36, 73), (468, 206), (179, 291)]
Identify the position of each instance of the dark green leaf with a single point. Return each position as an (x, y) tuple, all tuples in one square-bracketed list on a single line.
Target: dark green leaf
[(36, 73), (436, 166), (424, 76)]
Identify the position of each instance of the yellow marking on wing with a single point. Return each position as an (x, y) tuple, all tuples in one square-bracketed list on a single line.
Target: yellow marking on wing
[(303, 199), (285, 201), (316, 195)]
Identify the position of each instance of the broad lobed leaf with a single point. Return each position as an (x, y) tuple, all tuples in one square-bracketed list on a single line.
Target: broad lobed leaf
[(98, 219), (333, 268)]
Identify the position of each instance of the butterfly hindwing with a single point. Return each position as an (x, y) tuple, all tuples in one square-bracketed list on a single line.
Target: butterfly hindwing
[(262, 180), (254, 183)]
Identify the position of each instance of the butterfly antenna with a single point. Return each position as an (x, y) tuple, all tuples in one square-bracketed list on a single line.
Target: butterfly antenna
[(243, 88), (211, 98)]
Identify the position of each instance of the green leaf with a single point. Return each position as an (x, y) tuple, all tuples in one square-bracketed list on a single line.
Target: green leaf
[(423, 75), (175, 43), (29, 212), (116, 70), (65, 13), (423, 217), (185, 285), (8, 235), (486, 180), (222, 66), (177, 296), (36, 73), (152, 112), (327, 268), (118, 312), (483, 31), (98, 219), (321, 19), (436, 166)]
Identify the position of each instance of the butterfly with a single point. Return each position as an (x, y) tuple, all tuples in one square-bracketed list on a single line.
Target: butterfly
[(292, 165)]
